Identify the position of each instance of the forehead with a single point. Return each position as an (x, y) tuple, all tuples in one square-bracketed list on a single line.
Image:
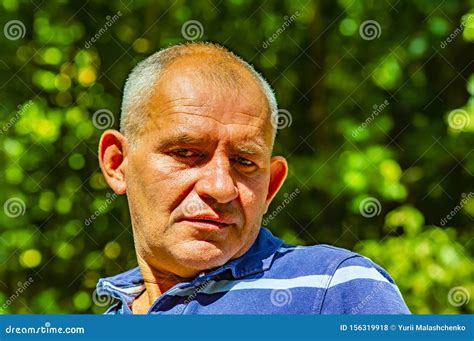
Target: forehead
[(212, 102)]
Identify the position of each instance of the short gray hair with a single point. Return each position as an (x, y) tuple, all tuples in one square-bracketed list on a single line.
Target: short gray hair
[(139, 85)]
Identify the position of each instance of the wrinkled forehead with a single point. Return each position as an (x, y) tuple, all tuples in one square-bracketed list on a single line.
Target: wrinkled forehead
[(189, 93)]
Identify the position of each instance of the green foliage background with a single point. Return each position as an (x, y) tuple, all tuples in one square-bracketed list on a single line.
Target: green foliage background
[(410, 158)]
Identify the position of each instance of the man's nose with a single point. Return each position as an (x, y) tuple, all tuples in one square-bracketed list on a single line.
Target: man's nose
[(216, 181)]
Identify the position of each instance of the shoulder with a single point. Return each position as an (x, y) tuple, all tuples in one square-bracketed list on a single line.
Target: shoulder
[(360, 286), (316, 259), (327, 257), (316, 250), (355, 284)]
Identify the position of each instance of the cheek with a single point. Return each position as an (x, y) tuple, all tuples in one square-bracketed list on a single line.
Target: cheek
[(152, 183), (252, 197), (171, 183)]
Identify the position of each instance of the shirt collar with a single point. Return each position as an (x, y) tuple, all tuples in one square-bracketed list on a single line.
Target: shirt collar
[(128, 285)]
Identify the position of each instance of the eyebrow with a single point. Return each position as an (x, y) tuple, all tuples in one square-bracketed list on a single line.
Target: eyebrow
[(249, 148), (245, 147), (180, 138)]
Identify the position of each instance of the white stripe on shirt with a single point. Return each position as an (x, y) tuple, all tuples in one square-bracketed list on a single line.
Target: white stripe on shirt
[(342, 275)]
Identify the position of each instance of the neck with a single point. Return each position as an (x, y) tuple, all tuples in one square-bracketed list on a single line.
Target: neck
[(156, 283)]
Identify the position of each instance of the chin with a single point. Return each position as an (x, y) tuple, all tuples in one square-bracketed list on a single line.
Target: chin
[(203, 255)]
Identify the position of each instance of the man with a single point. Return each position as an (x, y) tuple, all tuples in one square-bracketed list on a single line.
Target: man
[(194, 157)]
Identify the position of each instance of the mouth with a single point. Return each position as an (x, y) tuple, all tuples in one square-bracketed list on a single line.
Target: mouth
[(207, 223)]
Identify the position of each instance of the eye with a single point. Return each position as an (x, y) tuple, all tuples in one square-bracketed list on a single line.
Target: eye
[(243, 161), (184, 153)]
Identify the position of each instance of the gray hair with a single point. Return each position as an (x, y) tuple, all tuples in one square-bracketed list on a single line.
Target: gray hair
[(139, 85)]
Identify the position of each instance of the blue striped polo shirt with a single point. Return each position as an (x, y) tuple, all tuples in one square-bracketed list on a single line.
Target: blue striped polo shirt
[(272, 278)]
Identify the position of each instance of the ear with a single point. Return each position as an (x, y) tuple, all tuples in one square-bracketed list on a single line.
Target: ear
[(278, 172), (113, 159)]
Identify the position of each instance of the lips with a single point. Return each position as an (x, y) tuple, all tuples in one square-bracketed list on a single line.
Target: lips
[(208, 220)]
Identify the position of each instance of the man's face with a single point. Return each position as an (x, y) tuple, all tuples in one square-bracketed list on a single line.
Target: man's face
[(197, 179)]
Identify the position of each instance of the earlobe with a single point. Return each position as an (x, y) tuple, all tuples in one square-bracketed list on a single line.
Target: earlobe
[(278, 173), (112, 159)]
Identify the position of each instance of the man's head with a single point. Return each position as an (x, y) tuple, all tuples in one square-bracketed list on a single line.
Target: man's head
[(194, 157)]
